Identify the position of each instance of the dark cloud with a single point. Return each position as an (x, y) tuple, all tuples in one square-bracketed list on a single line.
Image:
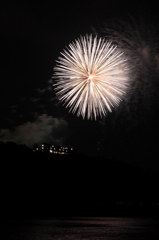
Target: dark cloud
[(40, 91), (157, 61), (34, 99), (44, 129)]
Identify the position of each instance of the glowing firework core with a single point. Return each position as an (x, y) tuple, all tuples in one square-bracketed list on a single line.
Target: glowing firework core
[(90, 77)]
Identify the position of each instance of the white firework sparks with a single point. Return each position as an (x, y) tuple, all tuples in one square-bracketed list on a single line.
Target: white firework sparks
[(91, 77)]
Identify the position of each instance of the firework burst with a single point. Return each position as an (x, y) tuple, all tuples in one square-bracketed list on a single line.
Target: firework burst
[(140, 40), (138, 37), (91, 77)]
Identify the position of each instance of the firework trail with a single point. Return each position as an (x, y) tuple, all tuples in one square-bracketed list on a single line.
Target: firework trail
[(91, 77), (136, 120), (140, 41)]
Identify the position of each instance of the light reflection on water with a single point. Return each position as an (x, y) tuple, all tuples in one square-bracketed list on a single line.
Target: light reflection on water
[(81, 228)]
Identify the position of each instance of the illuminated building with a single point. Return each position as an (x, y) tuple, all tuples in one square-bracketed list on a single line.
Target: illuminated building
[(57, 149)]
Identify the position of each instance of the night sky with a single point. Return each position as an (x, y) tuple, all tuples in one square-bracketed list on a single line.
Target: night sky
[(34, 34)]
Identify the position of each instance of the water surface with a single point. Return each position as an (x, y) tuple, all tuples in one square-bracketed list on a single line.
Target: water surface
[(81, 228)]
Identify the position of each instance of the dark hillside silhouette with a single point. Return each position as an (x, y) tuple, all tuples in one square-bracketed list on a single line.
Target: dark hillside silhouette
[(43, 184)]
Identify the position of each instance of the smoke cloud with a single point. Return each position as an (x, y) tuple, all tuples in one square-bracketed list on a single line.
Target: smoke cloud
[(44, 129)]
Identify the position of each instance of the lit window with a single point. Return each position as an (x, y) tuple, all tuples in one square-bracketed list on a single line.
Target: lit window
[(50, 151)]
